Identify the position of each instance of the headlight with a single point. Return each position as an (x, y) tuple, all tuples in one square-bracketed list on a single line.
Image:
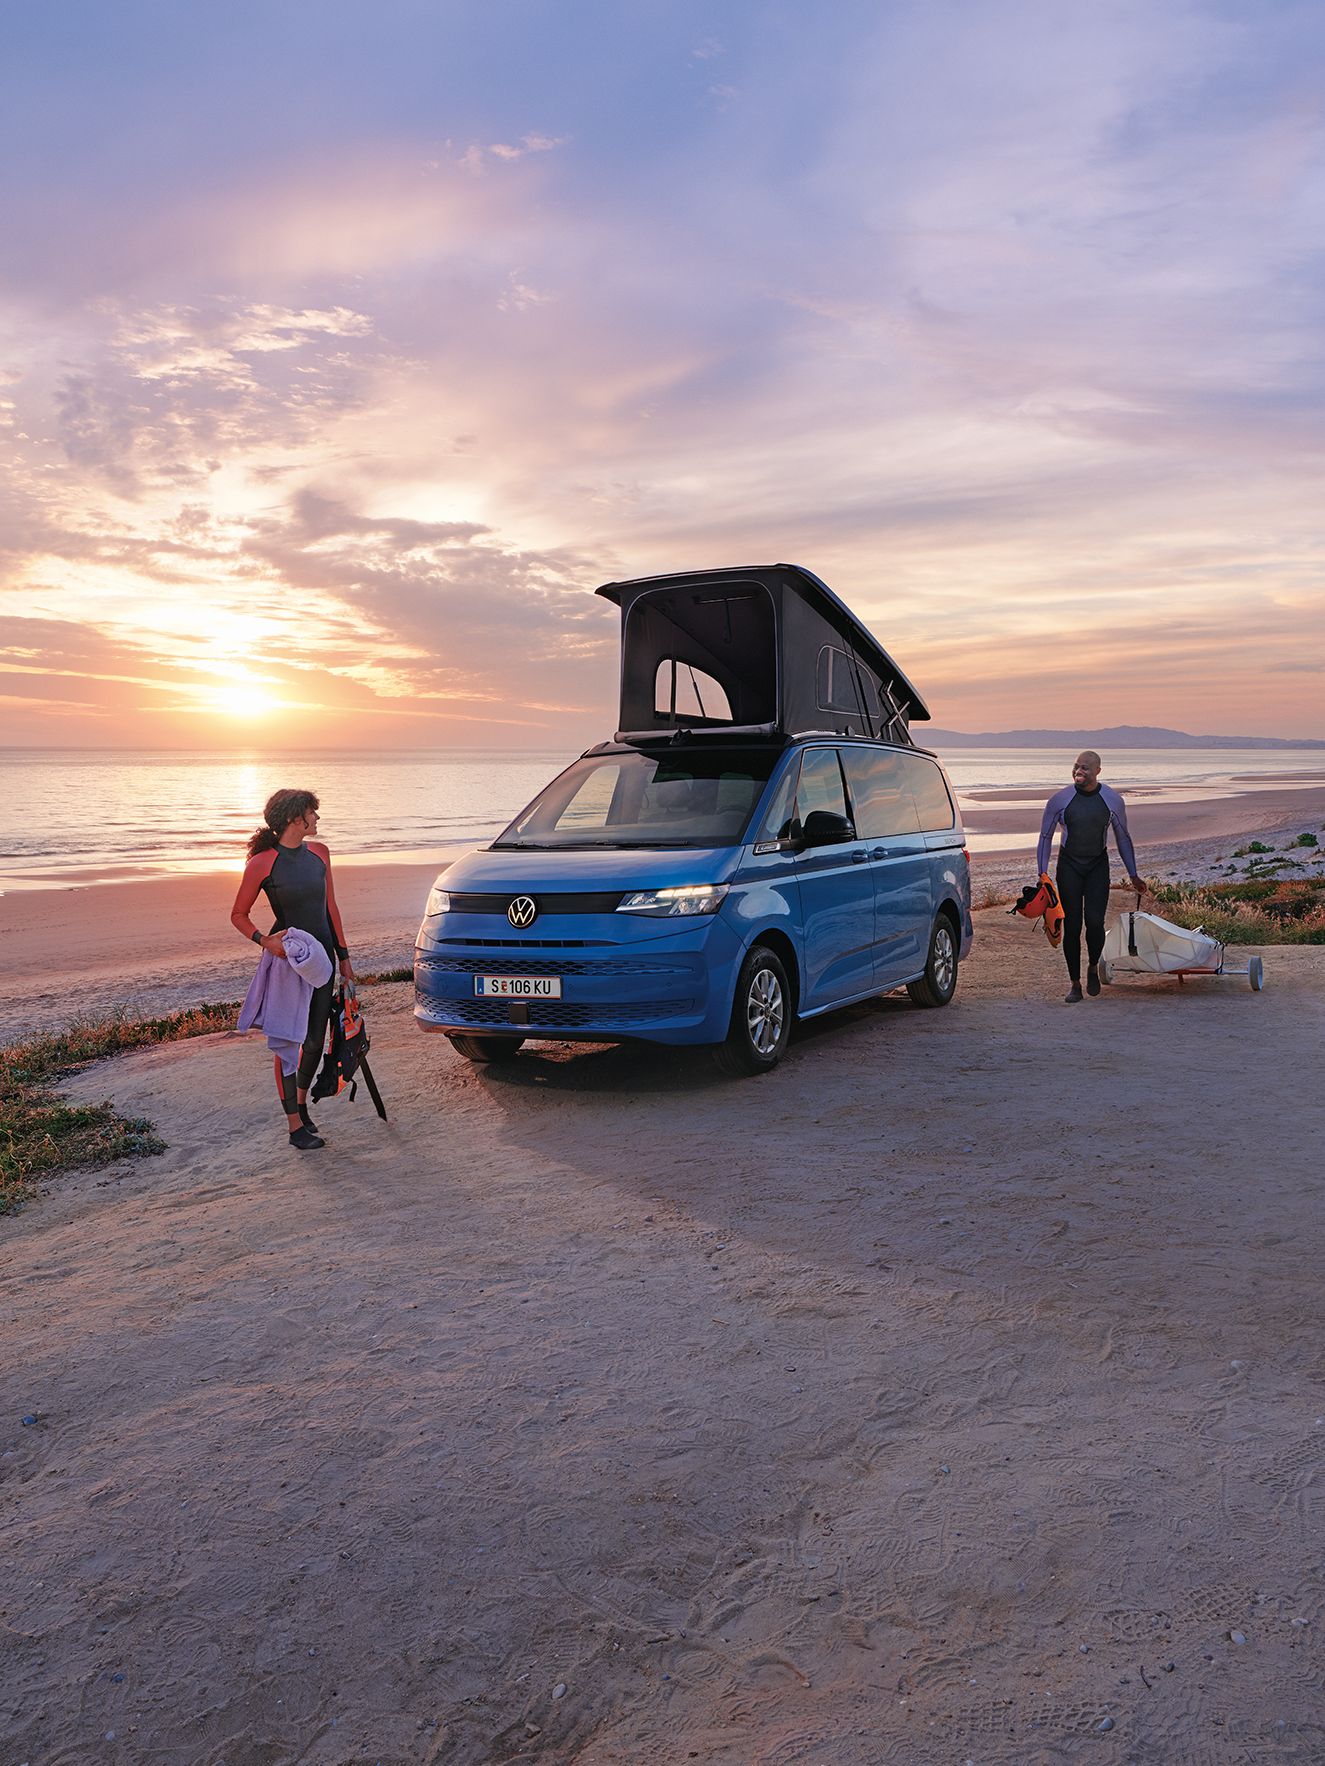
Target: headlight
[(666, 904), (439, 902)]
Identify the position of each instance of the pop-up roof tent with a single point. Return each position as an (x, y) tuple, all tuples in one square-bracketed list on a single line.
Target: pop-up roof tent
[(767, 649)]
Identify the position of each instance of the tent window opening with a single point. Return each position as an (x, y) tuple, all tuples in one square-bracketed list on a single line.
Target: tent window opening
[(684, 693), (836, 683)]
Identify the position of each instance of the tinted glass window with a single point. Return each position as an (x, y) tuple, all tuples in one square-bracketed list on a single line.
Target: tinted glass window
[(682, 797), (880, 791), (931, 794), (820, 784)]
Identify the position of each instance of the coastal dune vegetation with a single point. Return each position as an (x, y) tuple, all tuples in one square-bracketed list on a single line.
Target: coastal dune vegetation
[(41, 1134)]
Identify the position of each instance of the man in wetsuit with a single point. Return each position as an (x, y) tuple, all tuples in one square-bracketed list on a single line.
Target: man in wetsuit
[(1085, 810)]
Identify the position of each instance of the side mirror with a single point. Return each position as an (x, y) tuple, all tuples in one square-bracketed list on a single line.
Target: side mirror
[(824, 827)]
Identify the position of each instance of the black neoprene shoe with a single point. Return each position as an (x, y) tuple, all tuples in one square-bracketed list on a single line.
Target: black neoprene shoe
[(1093, 983), (1072, 997), (305, 1141)]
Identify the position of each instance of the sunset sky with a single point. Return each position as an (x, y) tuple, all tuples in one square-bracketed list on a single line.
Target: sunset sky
[(345, 348)]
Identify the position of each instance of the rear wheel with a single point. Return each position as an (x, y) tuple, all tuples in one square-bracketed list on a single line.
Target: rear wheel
[(487, 1049), (1256, 973), (761, 1016), (939, 982)]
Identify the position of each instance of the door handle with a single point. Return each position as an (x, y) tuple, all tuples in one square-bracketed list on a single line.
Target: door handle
[(858, 857), (880, 852)]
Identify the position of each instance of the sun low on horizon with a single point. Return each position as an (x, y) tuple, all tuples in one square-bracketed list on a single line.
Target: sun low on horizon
[(335, 377)]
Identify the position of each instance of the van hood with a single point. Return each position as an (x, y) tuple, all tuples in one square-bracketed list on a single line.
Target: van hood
[(590, 870)]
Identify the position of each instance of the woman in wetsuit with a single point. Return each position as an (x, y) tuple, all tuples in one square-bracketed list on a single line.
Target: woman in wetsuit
[(294, 872), (1086, 810)]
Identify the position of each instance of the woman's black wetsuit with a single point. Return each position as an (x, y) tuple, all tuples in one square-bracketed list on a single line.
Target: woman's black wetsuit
[(296, 887)]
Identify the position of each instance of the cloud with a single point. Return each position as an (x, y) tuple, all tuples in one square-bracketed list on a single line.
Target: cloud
[(527, 144)]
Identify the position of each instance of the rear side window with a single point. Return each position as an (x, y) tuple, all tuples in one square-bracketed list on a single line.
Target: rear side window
[(820, 784), (933, 803), (881, 792)]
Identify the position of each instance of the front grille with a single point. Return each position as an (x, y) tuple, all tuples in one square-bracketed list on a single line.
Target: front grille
[(542, 966), (526, 943), (552, 1014), (546, 904)]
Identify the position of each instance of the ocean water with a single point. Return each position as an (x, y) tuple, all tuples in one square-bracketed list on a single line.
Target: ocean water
[(81, 815)]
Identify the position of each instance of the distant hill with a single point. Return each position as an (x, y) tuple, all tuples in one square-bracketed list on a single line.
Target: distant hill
[(1122, 736)]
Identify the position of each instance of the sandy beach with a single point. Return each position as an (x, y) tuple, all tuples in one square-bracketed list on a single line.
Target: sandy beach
[(952, 1394), (157, 946)]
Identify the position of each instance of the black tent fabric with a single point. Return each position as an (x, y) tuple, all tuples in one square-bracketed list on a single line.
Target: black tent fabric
[(765, 647)]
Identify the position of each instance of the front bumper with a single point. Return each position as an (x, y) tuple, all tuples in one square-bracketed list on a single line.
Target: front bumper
[(617, 982)]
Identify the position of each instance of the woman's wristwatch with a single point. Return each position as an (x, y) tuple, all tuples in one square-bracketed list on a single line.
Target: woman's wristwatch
[(256, 937)]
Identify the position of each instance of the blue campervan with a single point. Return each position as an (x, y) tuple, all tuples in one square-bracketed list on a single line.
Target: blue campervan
[(760, 841)]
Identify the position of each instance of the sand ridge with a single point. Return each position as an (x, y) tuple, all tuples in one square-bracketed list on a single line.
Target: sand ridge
[(920, 1402)]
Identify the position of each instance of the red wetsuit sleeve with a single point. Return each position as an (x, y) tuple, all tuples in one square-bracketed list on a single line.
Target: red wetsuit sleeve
[(333, 912), (256, 872)]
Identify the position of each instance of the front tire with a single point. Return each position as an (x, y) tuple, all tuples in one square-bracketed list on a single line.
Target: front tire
[(487, 1049), (761, 1017), (939, 982)]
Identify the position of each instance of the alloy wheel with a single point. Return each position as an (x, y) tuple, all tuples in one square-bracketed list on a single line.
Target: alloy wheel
[(765, 1010), (945, 959)]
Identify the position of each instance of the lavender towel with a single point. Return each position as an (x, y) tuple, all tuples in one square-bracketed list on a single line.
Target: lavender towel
[(279, 994)]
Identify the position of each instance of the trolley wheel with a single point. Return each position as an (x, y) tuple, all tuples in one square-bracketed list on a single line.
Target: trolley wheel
[(1256, 973), (1106, 971)]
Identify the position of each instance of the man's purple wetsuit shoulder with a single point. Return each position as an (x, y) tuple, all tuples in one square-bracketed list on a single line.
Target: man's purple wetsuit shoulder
[(1057, 813)]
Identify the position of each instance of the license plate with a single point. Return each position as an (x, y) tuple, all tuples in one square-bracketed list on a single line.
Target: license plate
[(518, 987)]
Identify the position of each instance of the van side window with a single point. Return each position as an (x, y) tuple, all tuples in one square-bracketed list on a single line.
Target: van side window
[(880, 792), (820, 784), (777, 824), (933, 803), (684, 692)]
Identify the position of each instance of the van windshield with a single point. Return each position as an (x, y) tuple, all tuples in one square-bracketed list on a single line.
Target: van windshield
[(679, 797)]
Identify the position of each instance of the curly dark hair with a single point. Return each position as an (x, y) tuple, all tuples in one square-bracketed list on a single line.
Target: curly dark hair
[(280, 809)]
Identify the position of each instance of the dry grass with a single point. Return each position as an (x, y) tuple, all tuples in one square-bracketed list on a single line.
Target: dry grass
[(41, 1134), (1256, 910)]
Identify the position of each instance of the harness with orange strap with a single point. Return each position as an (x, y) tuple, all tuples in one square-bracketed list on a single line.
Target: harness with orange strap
[(1039, 901)]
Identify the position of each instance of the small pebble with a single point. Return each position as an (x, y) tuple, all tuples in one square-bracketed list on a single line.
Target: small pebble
[(1299, 1621), (28, 1421), (1105, 1723), (559, 1690), (1237, 1637), (1169, 1667), (117, 1679), (1083, 1649)]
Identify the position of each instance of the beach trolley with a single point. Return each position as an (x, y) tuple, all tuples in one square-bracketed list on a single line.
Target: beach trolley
[(1143, 944)]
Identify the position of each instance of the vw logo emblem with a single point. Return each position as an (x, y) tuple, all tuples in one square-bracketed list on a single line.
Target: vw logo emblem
[(522, 912)]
